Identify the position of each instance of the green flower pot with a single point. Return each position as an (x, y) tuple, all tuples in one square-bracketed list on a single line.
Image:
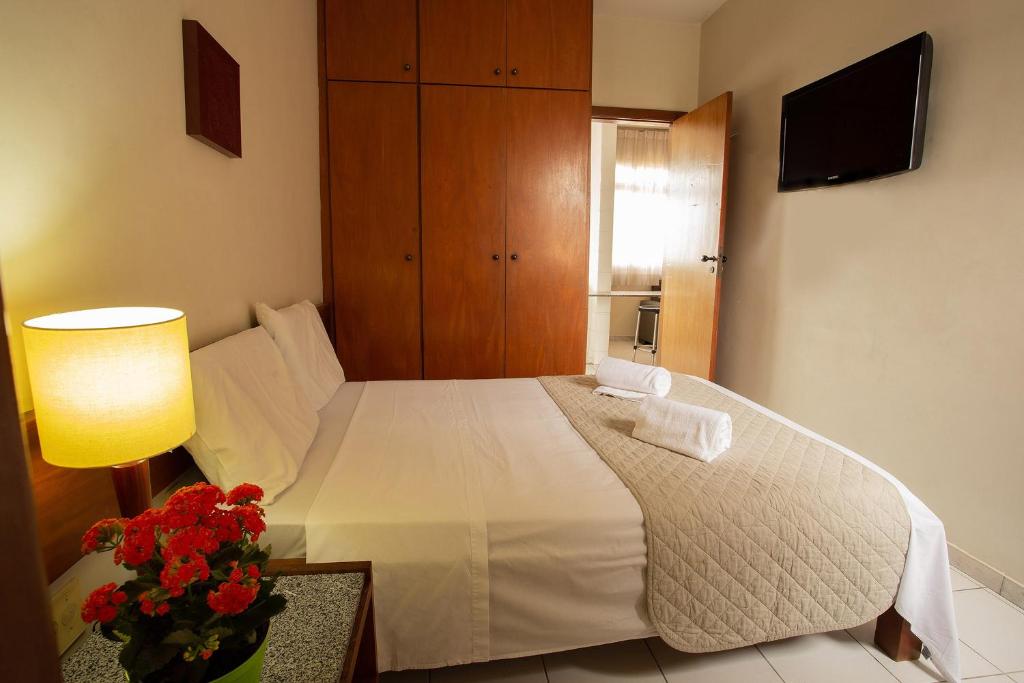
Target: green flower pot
[(249, 671)]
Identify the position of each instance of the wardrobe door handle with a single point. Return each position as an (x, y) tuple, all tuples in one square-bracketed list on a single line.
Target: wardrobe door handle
[(408, 257), (407, 67), (515, 71), (495, 257), (515, 257), (497, 71)]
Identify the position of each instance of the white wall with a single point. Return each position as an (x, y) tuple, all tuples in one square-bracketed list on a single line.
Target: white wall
[(104, 200), (645, 63), (887, 315)]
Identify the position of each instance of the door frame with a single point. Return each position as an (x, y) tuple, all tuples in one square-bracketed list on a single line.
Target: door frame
[(28, 649)]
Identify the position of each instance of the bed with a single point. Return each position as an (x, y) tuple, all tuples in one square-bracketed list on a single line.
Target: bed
[(511, 517), (497, 529)]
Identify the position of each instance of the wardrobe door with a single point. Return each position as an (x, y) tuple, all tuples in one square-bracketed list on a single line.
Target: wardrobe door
[(463, 180), (548, 189), (371, 40), (375, 229), (462, 41), (549, 43)]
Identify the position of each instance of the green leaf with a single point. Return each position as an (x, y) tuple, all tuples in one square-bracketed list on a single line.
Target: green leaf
[(181, 637)]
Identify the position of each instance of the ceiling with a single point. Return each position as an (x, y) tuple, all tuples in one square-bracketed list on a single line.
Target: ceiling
[(670, 10)]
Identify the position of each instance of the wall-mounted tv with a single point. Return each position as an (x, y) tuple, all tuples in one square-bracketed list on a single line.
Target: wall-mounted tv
[(865, 121)]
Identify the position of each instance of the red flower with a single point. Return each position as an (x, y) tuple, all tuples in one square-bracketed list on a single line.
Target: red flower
[(231, 598), (101, 605), (245, 493), (250, 517), (197, 500), (182, 571), (102, 534), (224, 525), (139, 539)]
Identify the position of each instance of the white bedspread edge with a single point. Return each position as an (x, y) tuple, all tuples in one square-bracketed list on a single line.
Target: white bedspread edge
[(925, 594)]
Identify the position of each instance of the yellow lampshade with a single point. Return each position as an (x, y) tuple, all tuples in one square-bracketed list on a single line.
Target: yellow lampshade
[(110, 385)]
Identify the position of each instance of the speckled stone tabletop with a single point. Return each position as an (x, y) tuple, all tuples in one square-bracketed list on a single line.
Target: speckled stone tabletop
[(307, 642)]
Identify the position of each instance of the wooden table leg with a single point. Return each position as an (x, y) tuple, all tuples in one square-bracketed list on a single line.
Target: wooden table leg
[(893, 637)]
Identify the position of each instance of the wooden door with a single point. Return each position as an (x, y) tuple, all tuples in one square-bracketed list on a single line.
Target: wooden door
[(28, 649), (692, 274), (548, 190), (375, 229), (463, 171), (549, 43), (371, 40), (462, 42)]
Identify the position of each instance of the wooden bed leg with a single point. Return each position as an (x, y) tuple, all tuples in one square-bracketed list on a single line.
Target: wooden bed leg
[(893, 637)]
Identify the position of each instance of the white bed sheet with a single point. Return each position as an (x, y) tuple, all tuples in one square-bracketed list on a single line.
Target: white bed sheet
[(286, 516), (494, 529)]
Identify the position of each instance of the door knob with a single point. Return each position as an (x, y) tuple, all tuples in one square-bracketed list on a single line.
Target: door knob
[(515, 257), (495, 257), (515, 71), (497, 71), (705, 258), (407, 67), (408, 257)]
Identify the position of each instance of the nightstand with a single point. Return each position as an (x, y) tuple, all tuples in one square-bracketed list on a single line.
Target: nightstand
[(322, 595), (325, 635)]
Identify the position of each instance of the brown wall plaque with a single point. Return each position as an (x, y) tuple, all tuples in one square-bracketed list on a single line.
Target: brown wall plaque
[(213, 112)]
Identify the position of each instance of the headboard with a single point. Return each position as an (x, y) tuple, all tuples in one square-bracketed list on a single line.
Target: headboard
[(68, 501)]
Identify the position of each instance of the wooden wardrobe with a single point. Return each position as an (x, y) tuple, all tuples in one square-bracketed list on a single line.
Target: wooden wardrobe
[(456, 157)]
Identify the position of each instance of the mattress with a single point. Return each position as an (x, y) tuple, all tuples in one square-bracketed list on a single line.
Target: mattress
[(494, 529), (286, 516)]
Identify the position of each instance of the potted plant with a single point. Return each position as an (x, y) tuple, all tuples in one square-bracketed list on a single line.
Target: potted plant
[(199, 608)]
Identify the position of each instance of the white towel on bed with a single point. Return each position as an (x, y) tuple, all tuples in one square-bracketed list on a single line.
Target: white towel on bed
[(633, 381), (695, 431)]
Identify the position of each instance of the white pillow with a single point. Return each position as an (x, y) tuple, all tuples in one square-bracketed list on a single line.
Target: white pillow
[(253, 422), (299, 332)]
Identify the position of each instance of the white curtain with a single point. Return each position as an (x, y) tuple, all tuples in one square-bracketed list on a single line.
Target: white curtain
[(641, 207)]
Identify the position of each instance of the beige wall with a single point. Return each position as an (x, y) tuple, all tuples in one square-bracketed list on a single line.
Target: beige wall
[(887, 315), (645, 63), (105, 201)]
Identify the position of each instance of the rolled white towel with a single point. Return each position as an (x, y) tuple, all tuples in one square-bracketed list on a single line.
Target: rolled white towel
[(631, 380), (695, 431)]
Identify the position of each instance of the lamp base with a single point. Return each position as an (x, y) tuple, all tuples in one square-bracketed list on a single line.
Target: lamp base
[(131, 483)]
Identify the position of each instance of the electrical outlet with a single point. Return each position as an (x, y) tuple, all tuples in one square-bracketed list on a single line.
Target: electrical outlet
[(66, 605)]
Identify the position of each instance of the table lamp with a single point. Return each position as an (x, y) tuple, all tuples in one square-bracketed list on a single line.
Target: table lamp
[(111, 388)]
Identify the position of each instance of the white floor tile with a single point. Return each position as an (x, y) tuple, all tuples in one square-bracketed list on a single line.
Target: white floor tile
[(624, 350), (405, 677), (961, 581), (1018, 677), (834, 657), (993, 679), (745, 665), (525, 670), (921, 670), (628, 661), (992, 627)]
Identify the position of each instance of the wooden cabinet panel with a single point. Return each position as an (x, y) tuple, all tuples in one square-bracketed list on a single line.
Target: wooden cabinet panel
[(548, 190), (371, 40), (462, 41), (375, 229), (463, 171), (549, 43)]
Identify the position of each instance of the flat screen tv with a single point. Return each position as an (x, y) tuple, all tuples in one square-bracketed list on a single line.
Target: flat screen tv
[(865, 121)]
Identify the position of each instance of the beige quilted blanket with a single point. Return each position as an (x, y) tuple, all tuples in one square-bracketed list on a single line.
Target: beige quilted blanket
[(780, 536)]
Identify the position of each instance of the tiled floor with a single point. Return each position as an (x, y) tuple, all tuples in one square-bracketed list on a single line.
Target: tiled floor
[(992, 651), (621, 348)]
